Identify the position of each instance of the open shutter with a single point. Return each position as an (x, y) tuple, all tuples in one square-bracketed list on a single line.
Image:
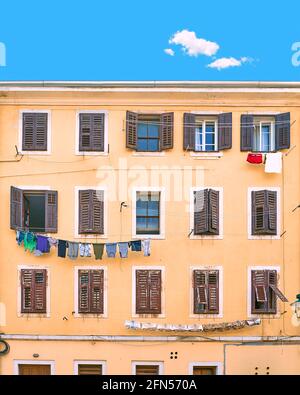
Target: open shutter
[(84, 212), (131, 129), (259, 212), (282, 131), (27, 287), (40, 279), (83, 291), (41, 126), (96, 291), (51, 200), (272, 211), (200, 292), (155, 291), (225, 131), (142, 292), (213, 292), (166, 131), (189, 131), (201, 212), (273, 286), (259, 294), (213, 198), (16, 208), (247, 132), (97, 212)]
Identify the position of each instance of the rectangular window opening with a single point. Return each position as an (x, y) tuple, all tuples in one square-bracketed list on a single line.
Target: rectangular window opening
[(34, 211), (206, 135), (148, 213), (148, 133)]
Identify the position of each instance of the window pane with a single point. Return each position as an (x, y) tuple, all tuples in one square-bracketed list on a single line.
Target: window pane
[(142, 129), (153, 225), (256, 138), (141, 225), (209, 136), (142, 144), (154, 196), (152, 145), (153, 208), (141, 207), (153, 129), (266, 137), (198, 141)]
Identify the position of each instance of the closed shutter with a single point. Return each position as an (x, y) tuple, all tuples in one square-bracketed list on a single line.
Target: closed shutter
[(27, 285), (35, 128), (33, 285), (51, 207), (166, 131), (91, 132), (204, 370), (213, 292), (148, 292), (213, 212), (264, 212), (96, 281), (155, 291), (200, 291), (206, 291), (247, 132), (97, 212), (83, 291), (225, 131), (40, 291), (16, 208), (282, 131), (272, 212), (89, 370), (189, 131), (201, 212), (91, 212), (131, 129), (147, 370)]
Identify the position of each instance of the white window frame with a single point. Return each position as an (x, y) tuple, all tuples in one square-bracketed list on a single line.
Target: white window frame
[(78, 235), (76, 363), (49, 133), (134, 364), (17, 362), (76, 290), (261, 122), (278, 224), (163, 303), (249, 292), (221, 296), (217, 365), (162, 212), (92, 153), (203, 123), (19, 292), (220, 236)]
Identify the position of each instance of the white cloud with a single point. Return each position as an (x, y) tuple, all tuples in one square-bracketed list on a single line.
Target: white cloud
[(225, 63), (169, 51), (192, 45)]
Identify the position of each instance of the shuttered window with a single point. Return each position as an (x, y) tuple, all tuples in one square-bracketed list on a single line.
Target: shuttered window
[(34, 131), (91, 212), (264, 291), (147, 370), (264, 212), (89, 370), (148, 292), (206, 212), (149, 133), (33, 290), (91, 132), (148, 213), (204, 370), (91, 291), (206, 291)]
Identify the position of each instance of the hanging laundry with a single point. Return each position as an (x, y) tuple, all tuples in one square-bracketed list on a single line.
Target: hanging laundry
[(42, 244), (146, 247), (29, 242), (135, 245), (73, 249), (255, 158), (123, 249), (52, 242), (98, 250), (62, 247), (20, 237), (273, 162), (85, 250), (111, 249)]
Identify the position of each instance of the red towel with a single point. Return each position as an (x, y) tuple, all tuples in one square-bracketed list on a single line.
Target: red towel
[(255, 158)]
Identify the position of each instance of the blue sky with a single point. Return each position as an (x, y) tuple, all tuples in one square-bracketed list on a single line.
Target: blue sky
[(125, 40)]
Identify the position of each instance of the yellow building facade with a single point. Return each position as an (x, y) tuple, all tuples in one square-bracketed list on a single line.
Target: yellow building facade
[(164, 163)]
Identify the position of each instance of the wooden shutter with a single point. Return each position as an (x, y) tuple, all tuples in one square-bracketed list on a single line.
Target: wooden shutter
[(247, 132), (166, 131), (34, 370), (206, 291), (225, 131), (91, 132), (97, 213), (261, 293), (213, 198), (91, 211), (40, 291), (282, 130), (131, 129), (89, 370), (148, 291), (271, 197), (273, 286), (27, 287), (200, 291), (204, 370), (201, 212), (147, 370), (96, 282), (155, 291), (33, 285), (83, 291), (16, 208), (35, 128), (264, 212), (51, 207), (189, 131)]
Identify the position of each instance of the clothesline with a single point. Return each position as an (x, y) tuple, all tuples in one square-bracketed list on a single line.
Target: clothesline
[(40, 244)]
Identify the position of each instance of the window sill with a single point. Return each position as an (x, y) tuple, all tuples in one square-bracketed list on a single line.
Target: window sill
[(207, 237), (90, 236), (264, 316), (34, 315), (35, 152), (149, 316), (90, 315), (251, 237), (151, 154), (91, 153), (204, 316), (152, 237), (206, 155)]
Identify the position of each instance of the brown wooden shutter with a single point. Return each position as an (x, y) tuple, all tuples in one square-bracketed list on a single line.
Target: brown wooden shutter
[(264, 212), (200, 291), (96, 287), (35, 128), (282, 131), (40, 285), (259, 293), (166, 131), (91, 211), (16, 208), (27, 289), (83, 291), (201, 212), (247, 132), (274, 287), (51, 211), (155, 291), (89, 370), (147, 370), (131, 129), (213, 197), (189, 131), (272, 212), (97, 212), (33, 285), (225, 131), (84, 211), (91, 132), (148, 291), (142, 291), (206, 291), (41, 131), (213, 292)]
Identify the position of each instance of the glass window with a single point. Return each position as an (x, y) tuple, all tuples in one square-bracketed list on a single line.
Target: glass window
[(148, 133), (205, 136), (263, 138), (148, 213)]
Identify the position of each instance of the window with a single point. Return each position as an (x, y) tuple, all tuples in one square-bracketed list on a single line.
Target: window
[(91, 132), (147, 368), (149, 132), (33, 291), (264, 291), (204, 133), (35, 131), (33, 210), (206, 291), (206, 212), (148, 289), (148, 213), (89, 370), (91, 291), (264, 212), (91, 211), (204, 370), (34, 370), (265, 134)]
